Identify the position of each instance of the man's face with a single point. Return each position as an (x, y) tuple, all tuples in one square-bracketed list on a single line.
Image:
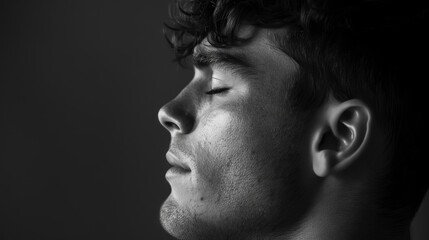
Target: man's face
[(233, 131)]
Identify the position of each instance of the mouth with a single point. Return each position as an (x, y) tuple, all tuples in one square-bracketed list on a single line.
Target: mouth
[(178, 167)]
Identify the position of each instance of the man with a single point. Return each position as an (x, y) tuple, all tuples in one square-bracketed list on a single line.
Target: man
[(303, 120)]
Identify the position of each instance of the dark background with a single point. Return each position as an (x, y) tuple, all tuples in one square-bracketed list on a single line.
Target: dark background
[(82, 152)]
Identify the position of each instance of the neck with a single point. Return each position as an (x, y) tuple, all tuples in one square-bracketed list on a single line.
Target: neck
[(338, 215)]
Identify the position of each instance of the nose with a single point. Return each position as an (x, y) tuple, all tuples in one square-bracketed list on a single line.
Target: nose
[(177, 117)]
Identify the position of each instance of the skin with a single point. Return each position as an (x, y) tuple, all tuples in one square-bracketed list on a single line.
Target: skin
[(247, 150), (261, 170)]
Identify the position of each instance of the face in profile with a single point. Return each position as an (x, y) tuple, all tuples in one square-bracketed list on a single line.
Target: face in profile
[(238, 167)]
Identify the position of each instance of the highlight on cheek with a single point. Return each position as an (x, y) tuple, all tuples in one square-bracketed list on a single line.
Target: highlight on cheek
[(221, 119)]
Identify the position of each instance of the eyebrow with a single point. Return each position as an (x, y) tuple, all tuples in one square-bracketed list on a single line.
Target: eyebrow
[(238, 63)]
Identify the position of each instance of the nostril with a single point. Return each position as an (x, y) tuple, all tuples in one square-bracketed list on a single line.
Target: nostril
[(171, 125)]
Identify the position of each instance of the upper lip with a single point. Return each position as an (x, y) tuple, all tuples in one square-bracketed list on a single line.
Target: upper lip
[(174, 161)]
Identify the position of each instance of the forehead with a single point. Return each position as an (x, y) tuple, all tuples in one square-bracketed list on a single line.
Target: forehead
[(257, 40), (260, 51)]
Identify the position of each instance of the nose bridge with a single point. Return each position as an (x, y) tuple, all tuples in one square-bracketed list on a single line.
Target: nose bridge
[(178, 115)]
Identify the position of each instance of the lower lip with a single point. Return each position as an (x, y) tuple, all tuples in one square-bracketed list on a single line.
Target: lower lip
[(176, 171)]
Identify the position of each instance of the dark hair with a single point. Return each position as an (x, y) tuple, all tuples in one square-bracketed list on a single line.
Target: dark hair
[(371, 50)]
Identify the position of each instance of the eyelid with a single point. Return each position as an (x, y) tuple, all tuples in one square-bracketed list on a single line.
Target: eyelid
[(217, 90)]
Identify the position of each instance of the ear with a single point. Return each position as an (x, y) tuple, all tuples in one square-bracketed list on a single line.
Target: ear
[(339, 136)]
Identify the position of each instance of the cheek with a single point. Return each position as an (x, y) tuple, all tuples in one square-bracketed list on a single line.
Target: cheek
[(234, 154), (220, 149)]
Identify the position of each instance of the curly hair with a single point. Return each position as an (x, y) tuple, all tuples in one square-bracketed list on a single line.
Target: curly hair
[(367, 49), (218, 20)]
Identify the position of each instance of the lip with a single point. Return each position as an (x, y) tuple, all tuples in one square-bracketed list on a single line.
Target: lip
[(176, 172), (178, 167)]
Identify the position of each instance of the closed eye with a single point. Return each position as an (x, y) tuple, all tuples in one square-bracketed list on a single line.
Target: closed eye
[(217, 91)]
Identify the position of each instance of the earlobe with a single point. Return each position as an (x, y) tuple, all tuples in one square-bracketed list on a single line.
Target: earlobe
[(323, 161), (340, 134)]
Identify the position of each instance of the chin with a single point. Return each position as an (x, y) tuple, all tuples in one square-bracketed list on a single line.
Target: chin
[(177, 221), (182, 224), (170, 217)]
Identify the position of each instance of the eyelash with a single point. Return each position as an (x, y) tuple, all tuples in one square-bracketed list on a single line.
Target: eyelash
[(216, 91)]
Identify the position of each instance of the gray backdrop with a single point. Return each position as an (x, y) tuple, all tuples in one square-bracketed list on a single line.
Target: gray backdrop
[(82, 152)]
